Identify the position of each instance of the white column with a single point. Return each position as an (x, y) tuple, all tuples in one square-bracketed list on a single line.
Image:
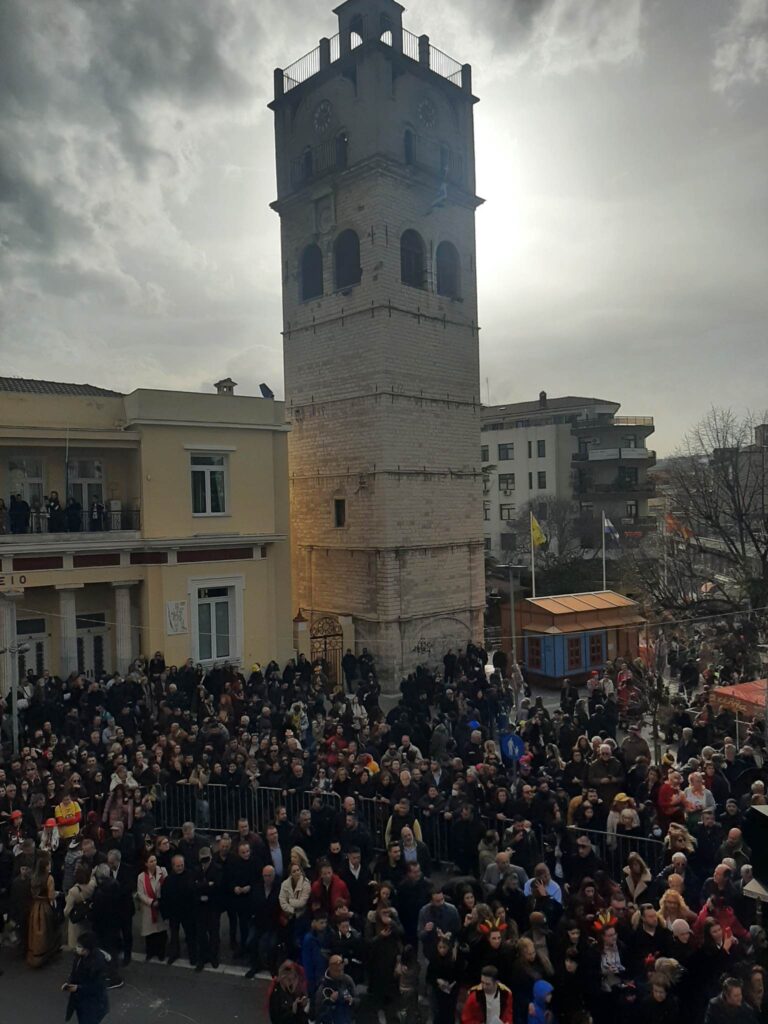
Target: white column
[(8, 663), (123, 625), (68, 626)]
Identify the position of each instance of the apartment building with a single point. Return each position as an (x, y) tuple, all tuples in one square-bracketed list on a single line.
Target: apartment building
[(577, 449), (156, 520)]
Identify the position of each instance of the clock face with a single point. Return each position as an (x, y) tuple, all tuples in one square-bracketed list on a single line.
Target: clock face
[(322, 117), (427, 113)]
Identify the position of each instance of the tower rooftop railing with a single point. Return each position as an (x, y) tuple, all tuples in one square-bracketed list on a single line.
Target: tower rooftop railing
[(415, 48)]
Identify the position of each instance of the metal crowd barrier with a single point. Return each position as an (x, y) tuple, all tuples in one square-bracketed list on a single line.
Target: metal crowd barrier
[(435, 830), (613, 849), (217, 808)]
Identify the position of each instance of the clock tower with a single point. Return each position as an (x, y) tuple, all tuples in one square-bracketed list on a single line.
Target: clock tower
[(376, 197)]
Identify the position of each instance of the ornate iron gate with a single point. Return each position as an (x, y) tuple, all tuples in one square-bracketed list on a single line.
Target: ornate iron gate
[(327, 642)]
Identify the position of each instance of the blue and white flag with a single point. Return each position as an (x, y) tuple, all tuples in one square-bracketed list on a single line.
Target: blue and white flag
[(610, 529)]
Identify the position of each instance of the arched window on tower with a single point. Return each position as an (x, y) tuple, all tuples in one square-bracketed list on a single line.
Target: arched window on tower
[(448, 267), (356, 29), (311, 273), (346, 256), (413, 259), (342, 150), (408, 146), (386, 37)]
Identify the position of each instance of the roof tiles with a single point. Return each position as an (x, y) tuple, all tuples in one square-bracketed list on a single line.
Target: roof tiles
[(24, 385)]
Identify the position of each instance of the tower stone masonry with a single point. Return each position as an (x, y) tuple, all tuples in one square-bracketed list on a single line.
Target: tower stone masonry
[(376, 197)]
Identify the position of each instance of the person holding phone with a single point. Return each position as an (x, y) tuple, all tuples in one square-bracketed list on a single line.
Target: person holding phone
[(87, 983), (288, 1001)]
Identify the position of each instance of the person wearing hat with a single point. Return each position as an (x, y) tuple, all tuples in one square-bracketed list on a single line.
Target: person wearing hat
[(16, 831), (634, 745), (49, 837), (87, 985), (208, 892)]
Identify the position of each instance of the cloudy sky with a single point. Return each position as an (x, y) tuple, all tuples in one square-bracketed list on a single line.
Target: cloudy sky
[(622, 150)]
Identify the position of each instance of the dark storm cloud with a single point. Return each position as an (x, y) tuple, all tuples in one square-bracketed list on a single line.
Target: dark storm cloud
[(93, 92), (621, 149)]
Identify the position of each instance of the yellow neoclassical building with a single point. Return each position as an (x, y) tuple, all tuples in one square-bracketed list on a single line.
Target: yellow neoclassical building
[(156, 520)]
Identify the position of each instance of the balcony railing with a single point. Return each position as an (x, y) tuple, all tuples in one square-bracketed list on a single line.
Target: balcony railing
[(80, 521), (328, 156), (633, 421), (618, 486), (607, 420), (416, 48), (609, 454)]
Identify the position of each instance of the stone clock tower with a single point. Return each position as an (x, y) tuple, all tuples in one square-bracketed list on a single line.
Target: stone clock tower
[(376, 196)]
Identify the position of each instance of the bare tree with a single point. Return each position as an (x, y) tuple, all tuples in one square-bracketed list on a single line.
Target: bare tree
[(563, 564), (718, 503)]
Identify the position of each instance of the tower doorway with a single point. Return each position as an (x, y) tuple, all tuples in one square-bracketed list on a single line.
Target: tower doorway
[(327, 643)]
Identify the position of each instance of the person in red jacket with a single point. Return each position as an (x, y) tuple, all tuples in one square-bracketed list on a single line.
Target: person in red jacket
[(671, 801), (328, 891), (489, 1002)]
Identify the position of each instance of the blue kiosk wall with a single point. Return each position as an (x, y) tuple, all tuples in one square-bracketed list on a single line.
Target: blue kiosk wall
[(554, 662)]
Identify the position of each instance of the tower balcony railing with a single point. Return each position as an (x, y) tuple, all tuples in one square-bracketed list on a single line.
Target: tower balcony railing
[(416, 48)]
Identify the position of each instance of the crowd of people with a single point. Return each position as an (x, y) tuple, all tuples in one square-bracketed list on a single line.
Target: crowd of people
[(48, 515), (403, 864)]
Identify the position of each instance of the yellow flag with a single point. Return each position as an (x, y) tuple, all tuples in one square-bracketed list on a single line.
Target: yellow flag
[(537, 534)]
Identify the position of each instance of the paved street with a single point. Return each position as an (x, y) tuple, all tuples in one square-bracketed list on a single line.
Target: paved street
[(152, 993)]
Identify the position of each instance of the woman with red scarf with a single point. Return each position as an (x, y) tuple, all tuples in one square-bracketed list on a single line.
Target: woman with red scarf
[(153, 927)]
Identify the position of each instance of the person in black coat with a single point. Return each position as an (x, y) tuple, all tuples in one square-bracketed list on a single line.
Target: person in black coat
[(729, 1007), (265, 922), (412, 893), (178, 909), (347, 943), (288, 1002), (86, 985), (717, 956), (207, 892), (125, 877), (649, 938), (357, 879), (243, 876), (659, 1006), (466, 834), (105, 916)]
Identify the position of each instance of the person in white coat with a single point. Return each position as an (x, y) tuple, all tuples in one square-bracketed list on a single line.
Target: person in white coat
[(293, 898), (153, 928)]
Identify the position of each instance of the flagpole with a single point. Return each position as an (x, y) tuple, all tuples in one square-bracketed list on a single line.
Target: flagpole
[(605, 581), (533, 558)]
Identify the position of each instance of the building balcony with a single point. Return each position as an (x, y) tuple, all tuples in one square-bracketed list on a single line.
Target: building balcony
[(596, 454), (619, 487), (41, 530), (642, 424)]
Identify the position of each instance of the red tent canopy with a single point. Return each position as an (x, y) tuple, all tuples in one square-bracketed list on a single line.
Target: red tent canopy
[(746, 698)]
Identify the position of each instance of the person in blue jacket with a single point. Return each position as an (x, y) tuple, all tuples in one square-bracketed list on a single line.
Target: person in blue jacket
[(315, 950), (539, 1011)]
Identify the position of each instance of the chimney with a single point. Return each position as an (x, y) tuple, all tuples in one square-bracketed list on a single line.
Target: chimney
[(226, 386), (761, 435), (542, 399)]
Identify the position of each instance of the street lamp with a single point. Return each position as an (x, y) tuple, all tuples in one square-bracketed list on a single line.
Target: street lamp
[(16, 648)]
